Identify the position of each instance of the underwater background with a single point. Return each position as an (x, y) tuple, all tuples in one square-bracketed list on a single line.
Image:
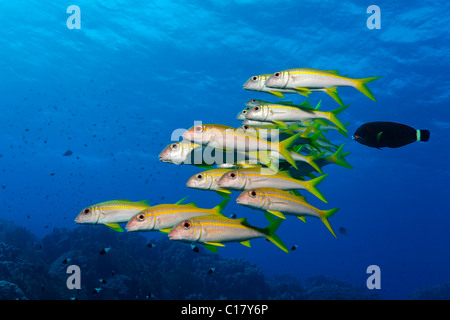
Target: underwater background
[(86, 112)]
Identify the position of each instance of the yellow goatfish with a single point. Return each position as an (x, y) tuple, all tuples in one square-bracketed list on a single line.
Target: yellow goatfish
[(214, 230), (207, 180), (250, 178), (163, 217), (278, 113), (279, 203), (217, 136), (111, 213), (305, 80)]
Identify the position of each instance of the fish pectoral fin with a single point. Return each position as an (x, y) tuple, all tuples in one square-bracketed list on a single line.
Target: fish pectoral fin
[(302, 218), (303, 91), (222, 190), (277, 94), (246, 243), (165, 230), (277, 213), (114, 226), (217, 244), (280, 123)]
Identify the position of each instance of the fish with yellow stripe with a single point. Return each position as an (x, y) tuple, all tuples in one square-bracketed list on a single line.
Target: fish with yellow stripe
[(219, 136), (250, 178), (306, 80), (279, 203), (207, 180), (163, 217), (213, 231), (278, 113), (111, 213)]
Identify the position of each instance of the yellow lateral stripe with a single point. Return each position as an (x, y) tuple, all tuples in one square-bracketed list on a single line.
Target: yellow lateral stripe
[(222, 224), (320, 73), (163, 212), (122, 208), (275, 176)]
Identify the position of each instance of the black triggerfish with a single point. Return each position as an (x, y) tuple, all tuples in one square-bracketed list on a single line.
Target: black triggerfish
[(381, 134)]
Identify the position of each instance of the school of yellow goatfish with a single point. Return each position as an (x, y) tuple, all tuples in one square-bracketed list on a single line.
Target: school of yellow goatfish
[(276, 157)]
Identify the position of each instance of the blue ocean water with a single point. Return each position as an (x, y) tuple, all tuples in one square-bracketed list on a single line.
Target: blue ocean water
[(114, 91)]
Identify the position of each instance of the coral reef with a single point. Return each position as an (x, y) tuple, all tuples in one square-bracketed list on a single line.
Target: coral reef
[(131, 268)]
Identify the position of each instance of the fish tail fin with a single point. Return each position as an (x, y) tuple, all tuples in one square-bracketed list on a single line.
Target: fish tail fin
[(331, 116), (311, 187), (218, 209), (360, 84), (283, 148), (423, 135), (338, 158), (325, 214), (270, 234), (332, 92)]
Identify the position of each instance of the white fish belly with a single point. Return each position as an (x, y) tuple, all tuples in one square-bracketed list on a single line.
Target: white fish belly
[(119, 215), (315, 81), (228, 234), (293, 209)]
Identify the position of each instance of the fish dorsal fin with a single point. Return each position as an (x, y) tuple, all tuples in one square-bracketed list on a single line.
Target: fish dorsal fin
[(284, 173), (115, 226), (145, 202), (246, 243), (192, 204), (298, 195), (113, 202), (181, 200), (334, 72)]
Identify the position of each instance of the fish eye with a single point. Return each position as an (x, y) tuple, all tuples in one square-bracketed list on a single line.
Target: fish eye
[(244, 111), (257, 108), (199, 129), (174, 146), (253, 100), (87, 211), (141, 217), (199, 176), (232, 175), (277, 74), (253, 194), (246, 127), (186, 224), (254, 78)]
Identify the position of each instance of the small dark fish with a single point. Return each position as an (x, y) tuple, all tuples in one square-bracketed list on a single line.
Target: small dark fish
[(97, 290), (294, 247), (381, 134), (343, 231), (194, 248), (102, 281), (232, 216), (211, 270), (68, 153), (150, 245), (66, 261), (104, 251)]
